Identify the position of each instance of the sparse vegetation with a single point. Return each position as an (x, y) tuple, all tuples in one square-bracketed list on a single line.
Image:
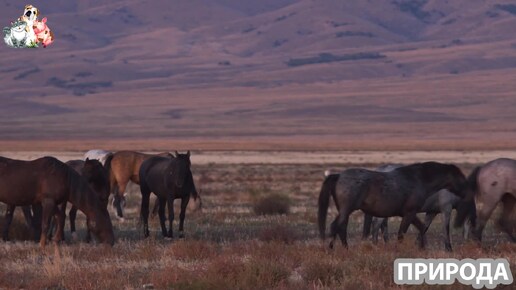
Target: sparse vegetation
[(273, 203), (228, 246)]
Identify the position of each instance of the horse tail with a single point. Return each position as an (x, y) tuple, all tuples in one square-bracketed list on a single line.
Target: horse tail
[(327, 189), (107, 163), (473, 181), (466, 207)]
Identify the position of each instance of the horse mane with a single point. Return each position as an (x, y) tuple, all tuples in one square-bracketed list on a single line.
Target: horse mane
[(466, 207), (191, 184)]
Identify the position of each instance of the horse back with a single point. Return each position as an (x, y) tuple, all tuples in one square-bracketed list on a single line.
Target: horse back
[(498, 177), (76, 165), (28, 182), (152, 173)]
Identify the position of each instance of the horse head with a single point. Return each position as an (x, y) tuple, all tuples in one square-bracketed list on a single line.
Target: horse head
[(97, 176), (101, 227), (178, 169)]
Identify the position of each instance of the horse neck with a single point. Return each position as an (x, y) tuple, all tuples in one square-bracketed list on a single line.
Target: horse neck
[(81, 195)]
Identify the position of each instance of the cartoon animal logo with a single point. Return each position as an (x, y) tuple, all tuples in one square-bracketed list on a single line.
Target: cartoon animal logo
[(27, 31), (43, 33), (17, 36)]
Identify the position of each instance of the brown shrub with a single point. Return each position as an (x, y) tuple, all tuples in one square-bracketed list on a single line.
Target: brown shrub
[(278, 233), (273, 203), (193, 250), (325, 272)]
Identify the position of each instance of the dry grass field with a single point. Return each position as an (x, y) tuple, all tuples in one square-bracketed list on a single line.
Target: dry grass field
[(229, 246)]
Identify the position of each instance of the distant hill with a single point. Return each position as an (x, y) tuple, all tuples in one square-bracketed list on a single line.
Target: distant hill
[(270, 69)]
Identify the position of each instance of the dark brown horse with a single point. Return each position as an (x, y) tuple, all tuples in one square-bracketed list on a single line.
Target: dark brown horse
[(168, 178), (124, 166), (98, 179), (49, 182), (491, 184), (400, 192), (189, 189)]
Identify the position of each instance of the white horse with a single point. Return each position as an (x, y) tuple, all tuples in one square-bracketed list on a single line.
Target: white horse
[(98, 154)]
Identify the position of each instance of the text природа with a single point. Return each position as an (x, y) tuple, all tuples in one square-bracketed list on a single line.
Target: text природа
[(477, 273)]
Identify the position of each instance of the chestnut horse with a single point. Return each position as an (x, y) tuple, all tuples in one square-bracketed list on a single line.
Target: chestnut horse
[(124, 166), (49, 182), (166, 178)]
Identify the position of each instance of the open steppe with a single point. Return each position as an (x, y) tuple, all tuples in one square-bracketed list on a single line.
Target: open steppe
[(228, 246)]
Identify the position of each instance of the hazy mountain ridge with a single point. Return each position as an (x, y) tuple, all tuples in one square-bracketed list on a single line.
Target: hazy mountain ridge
[(238, 58)]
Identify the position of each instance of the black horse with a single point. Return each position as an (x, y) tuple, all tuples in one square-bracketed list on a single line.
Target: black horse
[(167, 178), (400, 192), (98, 179)]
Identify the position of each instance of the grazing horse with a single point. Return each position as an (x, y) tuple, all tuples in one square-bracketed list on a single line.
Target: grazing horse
[(491, 184), (400, 192), (98, 179), (443, 201), (124, 166), (167, 178), (100, 155), (49, 182)]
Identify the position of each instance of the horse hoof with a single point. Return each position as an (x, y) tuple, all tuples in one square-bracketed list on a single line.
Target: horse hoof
[(75, 237), (331, 245), (181, 236)]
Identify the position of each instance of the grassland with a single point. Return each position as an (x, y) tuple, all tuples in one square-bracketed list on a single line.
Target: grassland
[(228, 246)]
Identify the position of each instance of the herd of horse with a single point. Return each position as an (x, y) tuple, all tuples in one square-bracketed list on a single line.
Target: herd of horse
[(44, 186), (428, 187)]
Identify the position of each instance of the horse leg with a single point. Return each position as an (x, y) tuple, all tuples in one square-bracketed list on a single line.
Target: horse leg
[(9, 213), (421, 227), (27, 214), (161, 213), (170, 204), (377, 223), (36, 220), (385, 229), (429, 217), (48, 210), (60, 216), (30, 219), (340, 226), (144, 210), (155, 208), (366, 231), (447, 217), (182, 215), (482, 216), (121, 197), (72, 214), (405, 223), (505, 222)]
